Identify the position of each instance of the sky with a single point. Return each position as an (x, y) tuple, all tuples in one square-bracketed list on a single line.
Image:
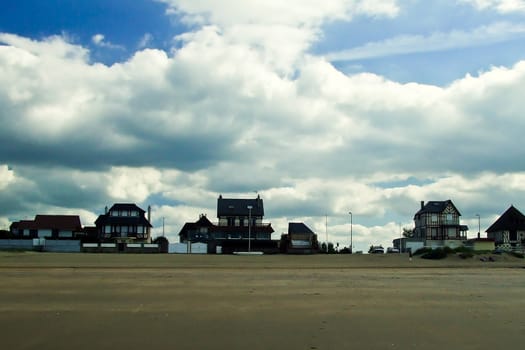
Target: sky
[(321, 108)]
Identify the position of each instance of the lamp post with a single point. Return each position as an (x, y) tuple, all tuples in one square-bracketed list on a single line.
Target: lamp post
[(479, 225), (350, 231), (249, 227)]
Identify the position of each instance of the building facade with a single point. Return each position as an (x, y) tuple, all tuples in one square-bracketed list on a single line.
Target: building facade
[(300, 239), (239, 221), (124, 222), (508, 231), (437, 224)]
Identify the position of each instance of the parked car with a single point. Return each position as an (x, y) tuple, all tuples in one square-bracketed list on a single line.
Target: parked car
[(376, 250)]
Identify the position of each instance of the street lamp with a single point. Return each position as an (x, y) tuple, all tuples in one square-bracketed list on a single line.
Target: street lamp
[(249, 227), (479, 225), (350, 231)]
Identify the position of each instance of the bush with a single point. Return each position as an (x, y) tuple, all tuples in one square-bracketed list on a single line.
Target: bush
[(448, 250), (517, 254), (422, 251), (435, 254), (463, 249), (466, 255)]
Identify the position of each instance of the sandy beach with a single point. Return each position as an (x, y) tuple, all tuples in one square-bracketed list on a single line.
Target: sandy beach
[(87, 301)]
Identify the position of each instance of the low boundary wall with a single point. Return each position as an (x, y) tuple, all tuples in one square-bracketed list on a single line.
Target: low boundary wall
[(138, 248), (41, 244)]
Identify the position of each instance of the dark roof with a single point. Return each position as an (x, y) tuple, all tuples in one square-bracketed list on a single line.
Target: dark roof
[(52, 222), (24, 225), (298, 227), (239, 207), (65, 222), (126, 206), (204, 222), (436, 207), (511, 219), (106, 219)]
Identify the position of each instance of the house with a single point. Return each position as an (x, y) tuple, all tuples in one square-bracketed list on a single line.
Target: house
[(437, 225), (202, 231), (508, 231), (299, 240), (240, 227), (48, 226), (124, 223), (242, 213)]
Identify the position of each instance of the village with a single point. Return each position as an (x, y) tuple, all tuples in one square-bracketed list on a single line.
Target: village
[(240, 229)]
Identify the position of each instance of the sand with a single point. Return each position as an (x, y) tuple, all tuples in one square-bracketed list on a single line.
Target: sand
[(112, 301)]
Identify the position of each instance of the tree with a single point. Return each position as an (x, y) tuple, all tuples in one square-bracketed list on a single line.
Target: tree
[(330, 250), (408, 232)]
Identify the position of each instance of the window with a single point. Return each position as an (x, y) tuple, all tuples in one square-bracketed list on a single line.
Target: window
[(434, 218)]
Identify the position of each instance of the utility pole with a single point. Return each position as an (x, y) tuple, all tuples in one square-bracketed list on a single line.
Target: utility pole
[(351, 243)]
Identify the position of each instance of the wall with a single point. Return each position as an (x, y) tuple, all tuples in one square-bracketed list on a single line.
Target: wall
[(16, 244), (60, 246), (41, 245), (182, 248), (139, 248)]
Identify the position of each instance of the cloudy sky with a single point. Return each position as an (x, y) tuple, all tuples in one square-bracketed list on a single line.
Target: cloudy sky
[(322, 108)]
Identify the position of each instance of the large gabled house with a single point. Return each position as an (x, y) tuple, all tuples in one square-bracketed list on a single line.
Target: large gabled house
[(239, 221), (437, 225), (508, 231), (124, 223), (48, 226)]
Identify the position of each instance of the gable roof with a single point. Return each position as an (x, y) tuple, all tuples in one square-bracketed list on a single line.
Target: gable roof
[(126, 207), (298, 227), (239, 207), (64, 222), (50, 222), (106, 219), (202, 222), (511, 219), (436, 207)]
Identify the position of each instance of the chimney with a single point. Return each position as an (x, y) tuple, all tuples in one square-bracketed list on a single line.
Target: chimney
[(106, 210), (422, 204)]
